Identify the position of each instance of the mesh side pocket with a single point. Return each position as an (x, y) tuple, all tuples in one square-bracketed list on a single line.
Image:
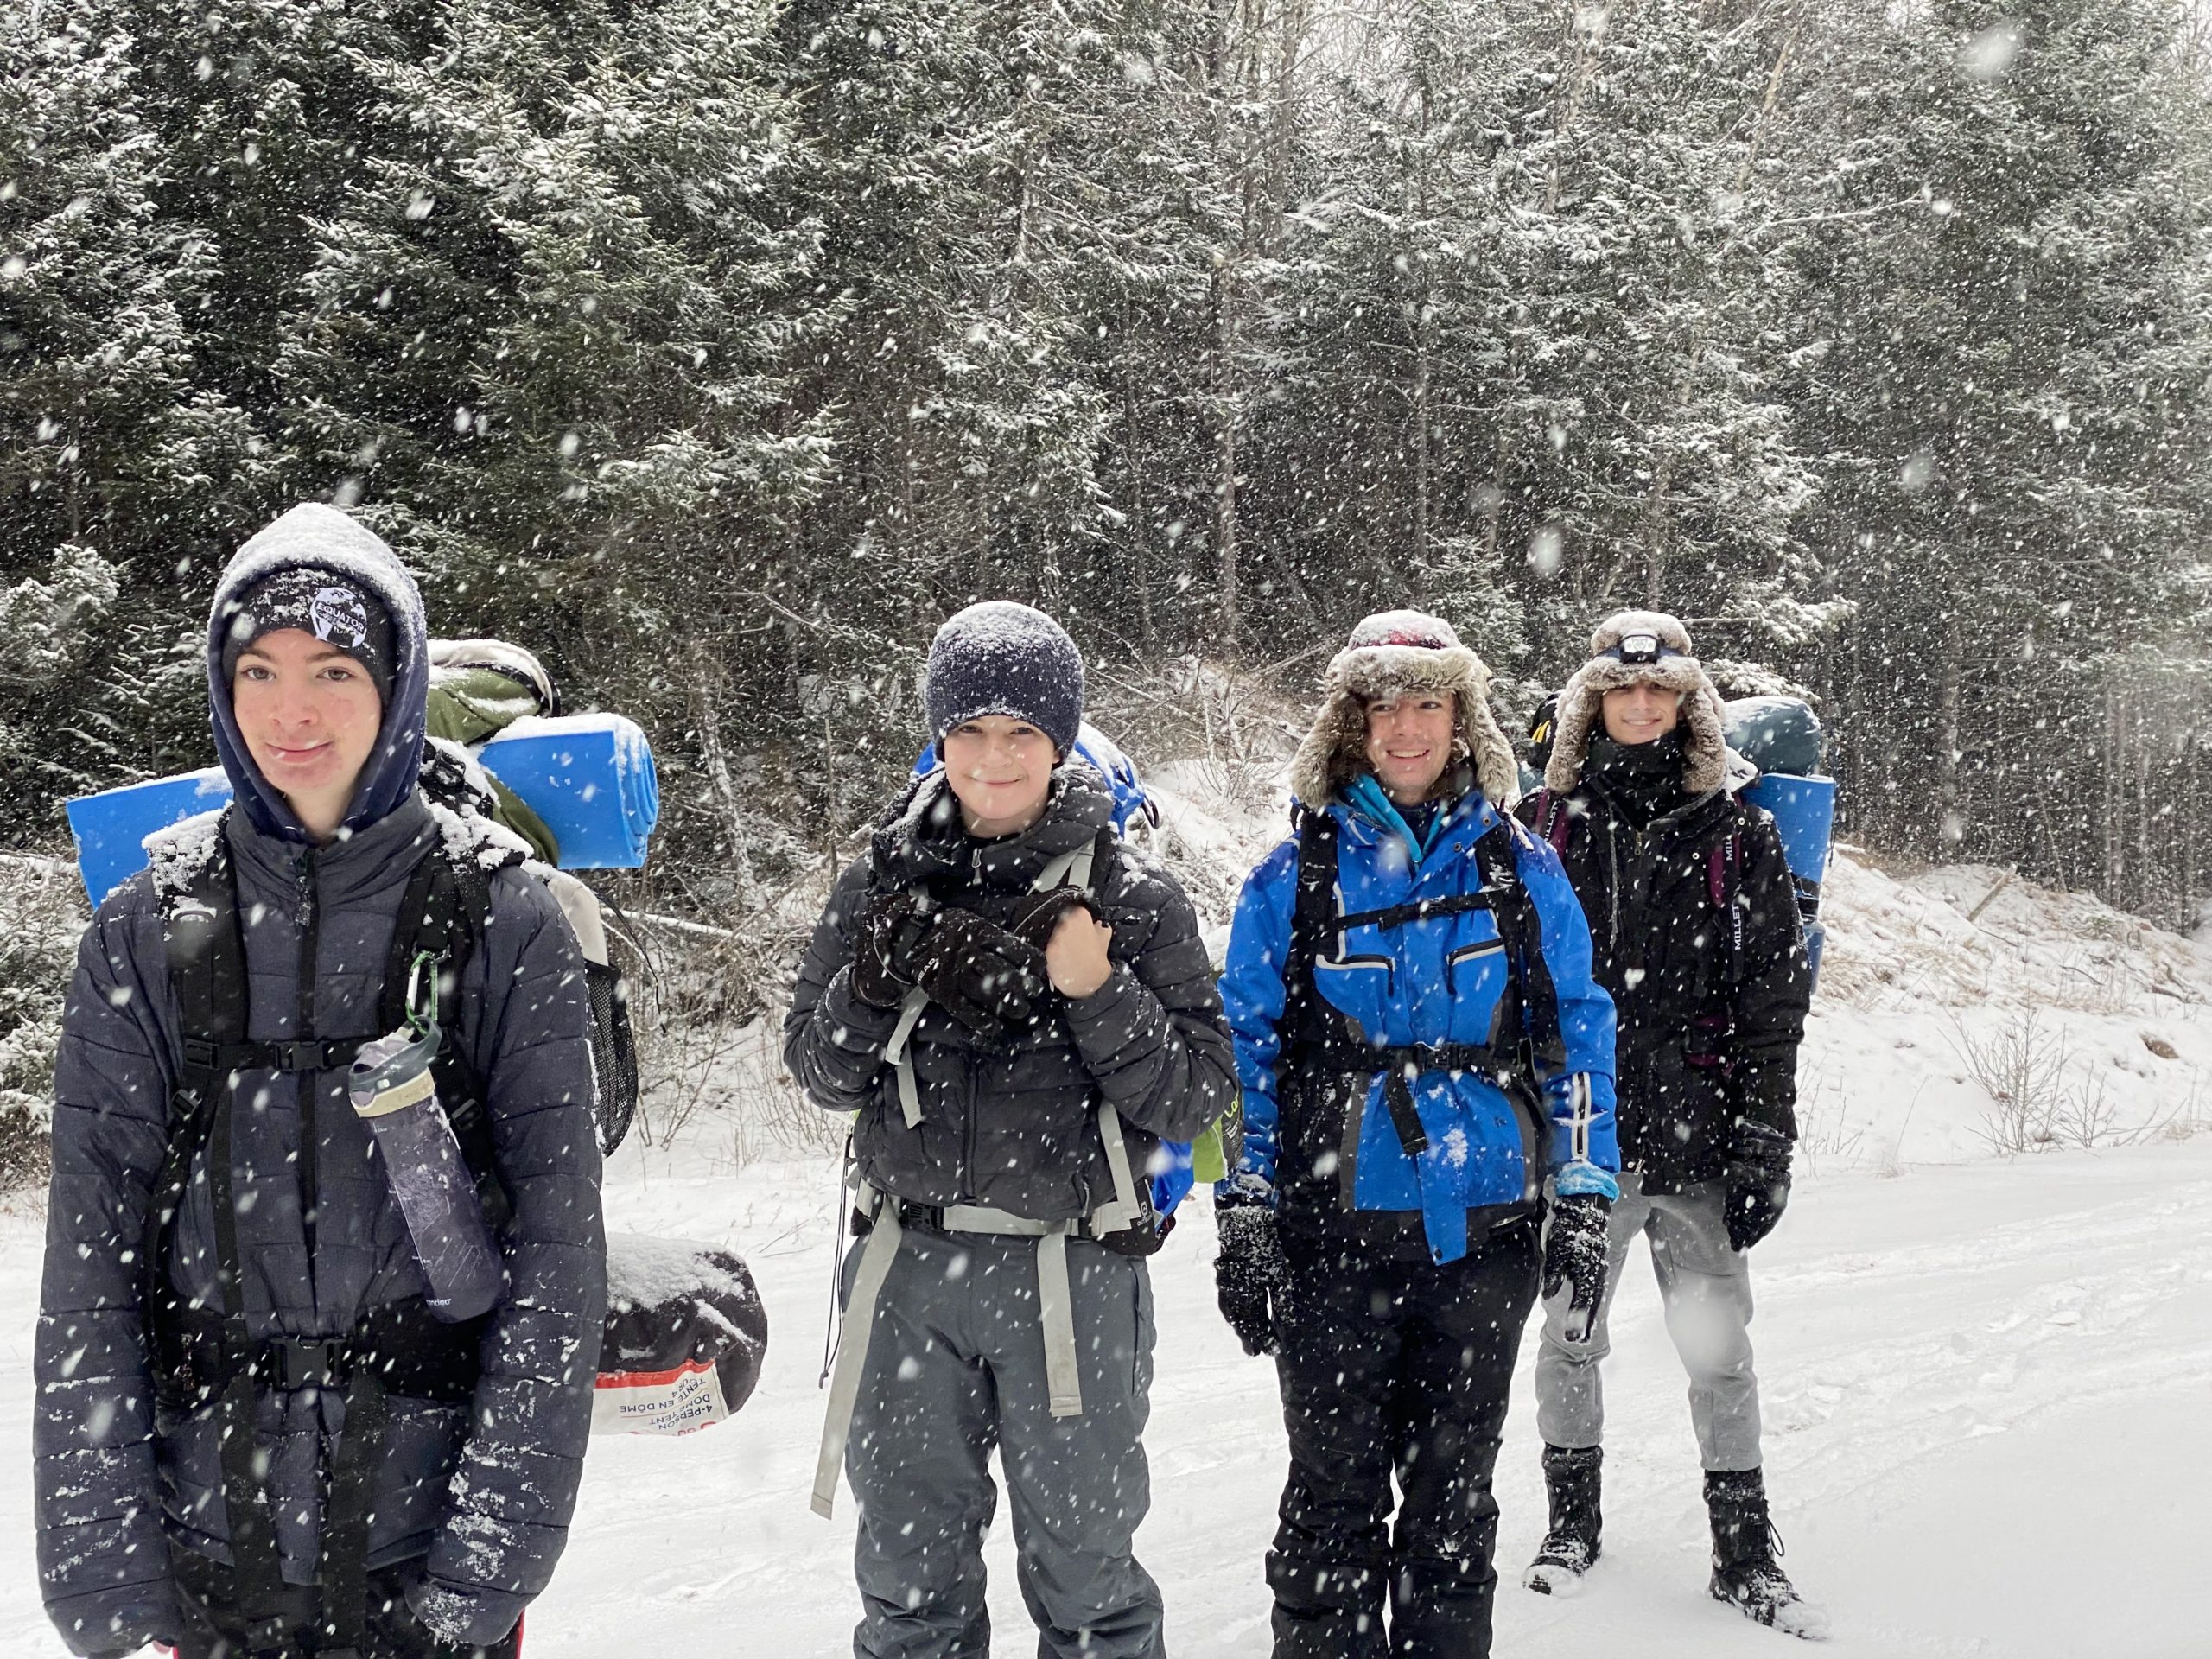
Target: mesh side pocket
[(614, 1055)]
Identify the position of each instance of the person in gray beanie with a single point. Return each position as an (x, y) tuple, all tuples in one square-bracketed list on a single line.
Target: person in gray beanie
[(1016, 1010), (1694, 920)]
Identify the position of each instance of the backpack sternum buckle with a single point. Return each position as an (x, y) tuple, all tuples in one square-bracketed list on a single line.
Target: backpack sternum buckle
[(306, 1362)]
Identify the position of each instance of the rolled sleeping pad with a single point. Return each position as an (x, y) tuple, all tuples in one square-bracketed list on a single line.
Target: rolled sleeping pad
[(1803, 809), (685, 1335), (1775, 734), (589, 776), (110, 827)]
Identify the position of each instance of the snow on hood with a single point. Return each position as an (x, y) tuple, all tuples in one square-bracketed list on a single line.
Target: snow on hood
[(313, 535)]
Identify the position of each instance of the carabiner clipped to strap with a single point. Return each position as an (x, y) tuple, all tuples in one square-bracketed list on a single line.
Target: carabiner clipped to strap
[(422, 1004)]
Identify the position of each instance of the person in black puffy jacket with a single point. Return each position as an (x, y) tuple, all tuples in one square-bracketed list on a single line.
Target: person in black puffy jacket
[(1693, 923), (1017, 1009), (150, 1529)]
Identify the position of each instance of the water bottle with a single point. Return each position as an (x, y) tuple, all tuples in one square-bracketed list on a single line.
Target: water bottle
[(392, 1088)]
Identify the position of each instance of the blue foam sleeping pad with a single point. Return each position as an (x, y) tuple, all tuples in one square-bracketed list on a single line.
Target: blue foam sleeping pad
[(589, 776)]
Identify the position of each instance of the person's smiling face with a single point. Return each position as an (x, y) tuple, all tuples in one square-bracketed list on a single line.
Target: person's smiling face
[(1640, 714), (999, 770), (309, 714), (1409, 742)]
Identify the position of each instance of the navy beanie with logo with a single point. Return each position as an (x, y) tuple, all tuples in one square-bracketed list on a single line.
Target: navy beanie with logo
[(1000, 658), (332, 607)]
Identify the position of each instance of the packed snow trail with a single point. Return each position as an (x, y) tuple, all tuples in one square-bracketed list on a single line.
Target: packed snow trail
[(1988, 1431)]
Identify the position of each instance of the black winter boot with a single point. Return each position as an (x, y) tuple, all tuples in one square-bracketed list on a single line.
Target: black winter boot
[(1570, 1477), (1745, 1545)]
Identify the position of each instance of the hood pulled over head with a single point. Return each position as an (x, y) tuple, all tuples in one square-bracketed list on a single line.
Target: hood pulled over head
[(1395, 653), (1639, 648), (313, 538)]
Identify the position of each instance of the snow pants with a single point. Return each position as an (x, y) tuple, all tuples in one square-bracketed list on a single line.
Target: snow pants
[(956, 1366), (1394, 1368), (1705, 1289)]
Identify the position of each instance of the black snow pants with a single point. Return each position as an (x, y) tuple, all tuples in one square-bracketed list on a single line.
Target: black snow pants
[(215, 1629), (1394, 1368)]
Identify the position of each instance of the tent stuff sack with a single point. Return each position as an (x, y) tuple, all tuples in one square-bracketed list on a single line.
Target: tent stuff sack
[(589, 776), (1776, 734), (685, 1335)]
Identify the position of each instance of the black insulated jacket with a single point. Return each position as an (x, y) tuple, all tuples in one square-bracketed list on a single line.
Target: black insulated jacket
[(1014, 1125), (1710, 1015)]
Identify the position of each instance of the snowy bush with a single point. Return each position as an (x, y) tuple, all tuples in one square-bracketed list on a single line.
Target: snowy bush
[(41, 913)]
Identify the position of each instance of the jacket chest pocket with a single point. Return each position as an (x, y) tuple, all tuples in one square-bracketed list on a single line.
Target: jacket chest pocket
[(1361, 986), (1470, 967)]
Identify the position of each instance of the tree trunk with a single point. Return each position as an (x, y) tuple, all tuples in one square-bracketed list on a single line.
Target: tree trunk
[(1950, 808)]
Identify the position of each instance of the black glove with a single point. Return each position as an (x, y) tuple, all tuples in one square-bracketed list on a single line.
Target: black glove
[(1038, 918), (1756, 1182), (987, 979), (1574, 1257), (884, 949), (1250, 1273)]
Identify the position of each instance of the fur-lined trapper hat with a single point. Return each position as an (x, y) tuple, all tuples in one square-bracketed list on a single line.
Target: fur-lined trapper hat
[(1632, 648), (1392, 653)]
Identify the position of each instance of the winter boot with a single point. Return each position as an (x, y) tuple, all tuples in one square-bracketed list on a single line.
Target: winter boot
[(1570, 1477), (1745, 1545)]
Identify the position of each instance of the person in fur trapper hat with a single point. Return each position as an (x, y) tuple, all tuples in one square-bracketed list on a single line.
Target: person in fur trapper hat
[(1426, 1067), (1391, 654), (1696, 936)]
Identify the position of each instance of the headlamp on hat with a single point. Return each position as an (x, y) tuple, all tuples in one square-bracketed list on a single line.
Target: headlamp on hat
[(1640, 650)]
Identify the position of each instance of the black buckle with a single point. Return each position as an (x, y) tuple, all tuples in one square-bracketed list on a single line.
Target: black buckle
[(308, 1053), (201, 1053), (306, 1362)]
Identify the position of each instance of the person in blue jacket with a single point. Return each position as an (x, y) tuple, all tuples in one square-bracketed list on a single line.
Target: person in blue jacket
[(1426, 1067)]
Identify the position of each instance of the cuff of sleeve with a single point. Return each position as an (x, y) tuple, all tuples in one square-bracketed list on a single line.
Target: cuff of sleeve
[(1584, 1179), (1244, 1188), (872, 1024), (463, 1617), (1085, 1014)]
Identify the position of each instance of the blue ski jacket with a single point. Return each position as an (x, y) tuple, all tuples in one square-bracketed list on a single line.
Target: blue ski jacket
[(1433, 981)]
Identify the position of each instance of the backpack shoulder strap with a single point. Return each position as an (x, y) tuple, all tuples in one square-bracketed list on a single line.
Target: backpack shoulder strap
[(1550, 822), (1514, 912), (206, 958), (1724, 865), (446, 907)]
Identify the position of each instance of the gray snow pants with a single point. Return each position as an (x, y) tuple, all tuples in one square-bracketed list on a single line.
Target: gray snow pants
[(956, 1365), (1705, 1289)]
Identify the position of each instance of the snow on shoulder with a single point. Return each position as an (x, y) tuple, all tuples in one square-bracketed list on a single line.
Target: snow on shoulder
[(177, 855)]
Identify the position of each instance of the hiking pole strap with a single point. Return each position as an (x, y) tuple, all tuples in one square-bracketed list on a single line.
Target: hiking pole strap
[(876, 1257)]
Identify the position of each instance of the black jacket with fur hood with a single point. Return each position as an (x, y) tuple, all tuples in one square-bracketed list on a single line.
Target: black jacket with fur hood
[(1015, 1126), (1710, 1017)]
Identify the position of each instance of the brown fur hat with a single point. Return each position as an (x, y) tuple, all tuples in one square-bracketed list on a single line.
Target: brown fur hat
[(1705, 752), (1391, 653)]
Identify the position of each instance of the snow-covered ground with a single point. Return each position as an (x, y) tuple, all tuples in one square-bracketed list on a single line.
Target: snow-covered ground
[(1986, 1378)]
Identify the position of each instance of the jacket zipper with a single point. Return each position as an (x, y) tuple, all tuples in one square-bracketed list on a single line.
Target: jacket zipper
[(308, 919)]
